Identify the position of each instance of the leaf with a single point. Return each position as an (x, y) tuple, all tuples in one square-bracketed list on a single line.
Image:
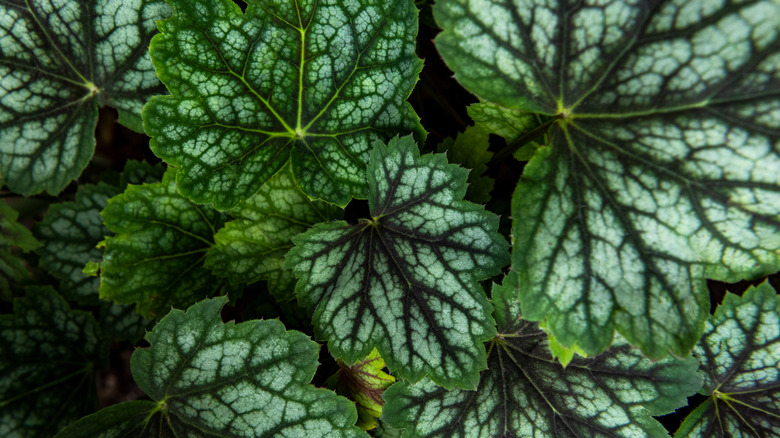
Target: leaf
[(120, 322), (515, 126), (156, 257), (48, 356), (405, 281), (318, 82), (252, 246), (470, 149), (58, 62), (13, 237), (364, 383), (740, 362), (525, 392), (210, 379), (662, 164)]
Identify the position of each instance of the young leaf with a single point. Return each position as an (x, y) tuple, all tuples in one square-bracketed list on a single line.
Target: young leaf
[(740, 361), (157, 256), (210, 379), (58, 62), (517, 127), (48, 354), (13, 237), (322, 80), (662, 166), (252, 246), (470, 149), (405, 281), (525, 392)]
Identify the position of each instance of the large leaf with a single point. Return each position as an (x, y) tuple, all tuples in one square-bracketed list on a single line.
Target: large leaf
[(525, 392), (405, 281), (14, 237), (662, 167), (319, 79), (210, 379), (48, 356), (740, 361), (156, 258), (59, 60), (252, 246)]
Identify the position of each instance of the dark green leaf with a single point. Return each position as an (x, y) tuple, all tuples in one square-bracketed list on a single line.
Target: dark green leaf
[(405, 281), (470, 149), (48, 354), (58, 61), (740, 361), (525, 392), (663, 157), (318, 81), (13, 238)]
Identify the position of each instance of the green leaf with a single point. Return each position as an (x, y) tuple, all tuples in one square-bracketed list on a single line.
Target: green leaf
[(156, 257), (48, 354), (515, 126), (525, 392), (316, 81), (210, 379), (252, 246), (120, 322), (13, 237), (364, 383), (58, 62), (405, 281), (662, 165), (470, 149), (740, 362)]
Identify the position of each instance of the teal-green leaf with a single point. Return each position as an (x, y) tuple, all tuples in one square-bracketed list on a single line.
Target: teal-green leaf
[(662, 165), (14, 237), (315, 81), (740, 362), (48, 357), (405, 281), (211, 379), (525, 392), (470, 149), (58, 61), (252, 246), (156, 258)]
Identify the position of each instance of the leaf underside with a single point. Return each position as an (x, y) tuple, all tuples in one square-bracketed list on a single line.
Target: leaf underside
[(662, 166), (406, 281), (316, 80), (58, 62)]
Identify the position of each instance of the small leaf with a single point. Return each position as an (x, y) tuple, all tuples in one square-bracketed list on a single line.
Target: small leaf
[(740, 362), (364, 383), (210, 379), (48, 354), (157, 256), (524, 392), (58, 62), (560, 352), (405, 281), (13, 237), (252, 246), (315, 81), (470, 149), (515, 126)]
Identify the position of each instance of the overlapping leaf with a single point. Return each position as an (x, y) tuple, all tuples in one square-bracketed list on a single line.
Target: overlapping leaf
[(740, 361), (405, 281), (48, 355), (663, 159), (252, 246), (156, 258), (321, 80), (525, 392), (210, 379), (519, 128), (470, 149), (59, 60), (14, 237)]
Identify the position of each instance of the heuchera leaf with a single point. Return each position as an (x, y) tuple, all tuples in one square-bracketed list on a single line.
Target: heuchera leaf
[(316, 80), (59, 60), (740, 362), (525, 392), (470, 149), (210, 379), (48, 354), (156, 258), (252, 246), (663, 161), (405, 281), (13, 238), (517, 127)]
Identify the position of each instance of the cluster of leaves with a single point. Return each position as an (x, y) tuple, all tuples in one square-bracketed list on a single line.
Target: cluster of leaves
[(650, 132)]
